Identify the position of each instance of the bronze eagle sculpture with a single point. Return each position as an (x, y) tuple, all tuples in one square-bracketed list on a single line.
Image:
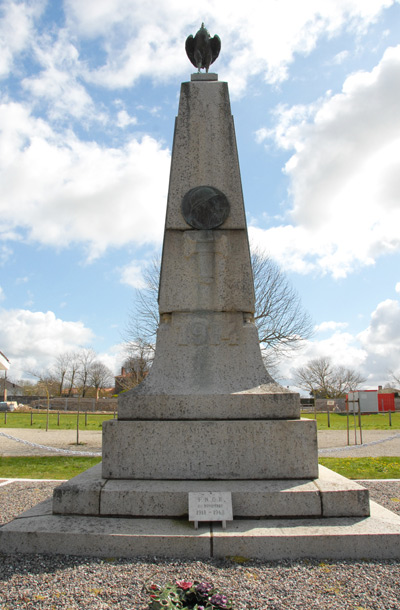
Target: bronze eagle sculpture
[(201, 49)]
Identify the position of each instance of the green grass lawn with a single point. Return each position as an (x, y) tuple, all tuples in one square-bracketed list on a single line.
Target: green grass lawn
[(68, 467), (364, 468), (372, 421), (65, 421), (44, 467)]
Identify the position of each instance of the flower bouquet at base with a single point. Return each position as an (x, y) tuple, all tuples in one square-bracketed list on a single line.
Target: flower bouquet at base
[(187, 596)]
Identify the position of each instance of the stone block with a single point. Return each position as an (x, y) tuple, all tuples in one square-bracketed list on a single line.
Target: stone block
[(329, 495), (210, 271), (265, 402), (249, 498), (272, 449), (206, 353), (81, 494), (341, 497)]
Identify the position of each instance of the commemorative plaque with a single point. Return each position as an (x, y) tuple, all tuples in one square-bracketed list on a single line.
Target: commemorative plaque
[(210, 506)]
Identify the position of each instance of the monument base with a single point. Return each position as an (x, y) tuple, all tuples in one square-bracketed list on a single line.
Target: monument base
[(329, 517), (351, 538)]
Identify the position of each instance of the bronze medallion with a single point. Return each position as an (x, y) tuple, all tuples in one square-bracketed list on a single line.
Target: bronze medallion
[(205, 207)]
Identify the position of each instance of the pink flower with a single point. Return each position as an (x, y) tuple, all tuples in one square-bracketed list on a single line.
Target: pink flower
[(183, 584)]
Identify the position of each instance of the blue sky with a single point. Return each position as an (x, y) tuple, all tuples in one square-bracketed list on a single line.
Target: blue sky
[(89, 93)]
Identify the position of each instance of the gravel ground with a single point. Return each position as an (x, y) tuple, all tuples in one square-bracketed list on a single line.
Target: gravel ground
[(47, 582)]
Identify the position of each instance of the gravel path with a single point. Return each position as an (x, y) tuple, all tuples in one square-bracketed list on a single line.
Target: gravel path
[(68, 583)]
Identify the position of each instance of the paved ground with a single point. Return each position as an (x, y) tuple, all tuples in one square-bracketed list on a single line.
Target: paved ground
[(375, 443), (89, 441)]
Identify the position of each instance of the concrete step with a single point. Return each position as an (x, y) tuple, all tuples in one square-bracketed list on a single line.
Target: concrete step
[(331, 495), (40, 531)]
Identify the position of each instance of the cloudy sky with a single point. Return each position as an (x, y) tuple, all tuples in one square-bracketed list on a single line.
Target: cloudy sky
[(89, 92)]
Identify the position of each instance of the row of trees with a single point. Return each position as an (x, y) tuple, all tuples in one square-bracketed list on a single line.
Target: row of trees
[(75, 372)]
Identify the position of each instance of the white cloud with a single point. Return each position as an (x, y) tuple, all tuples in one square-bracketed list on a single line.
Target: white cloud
[(123, 119), (32, 340), (257, 38), (397, 287), (62, 190), (16, 30), (5, 253), (131, 274), (114, 357), (331, 325), (373, 352), (345, 175), (383, 334), (2, 295)]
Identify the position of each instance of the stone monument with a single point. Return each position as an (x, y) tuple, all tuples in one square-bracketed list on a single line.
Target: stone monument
[(208, 418)]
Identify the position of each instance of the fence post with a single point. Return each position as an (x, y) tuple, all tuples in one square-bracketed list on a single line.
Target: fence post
[(390, 418), (58, 418), (31, 418), (77, 428), (329, 417), (5, 416), (85, 418)]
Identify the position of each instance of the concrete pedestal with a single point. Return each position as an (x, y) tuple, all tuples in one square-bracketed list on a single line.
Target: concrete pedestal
[(222, 449)]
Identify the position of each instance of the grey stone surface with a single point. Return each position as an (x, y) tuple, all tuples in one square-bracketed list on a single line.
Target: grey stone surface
[(202, 76), (340, 496), (204, 151), (261, 449), (103, 537), (269, 402), (82, 493), (205, 353), (375, 537), (206, 270), (251, 499)]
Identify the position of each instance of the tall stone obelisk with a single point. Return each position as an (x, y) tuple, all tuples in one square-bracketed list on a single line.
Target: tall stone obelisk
[(208, 378)]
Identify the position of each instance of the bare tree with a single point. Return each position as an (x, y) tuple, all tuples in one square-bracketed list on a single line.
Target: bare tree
[(281, 321), (137, 363), (60, 369), (144, 319), (100, 376), (395, 378), (73, 370), (322, 379), (87, 357)]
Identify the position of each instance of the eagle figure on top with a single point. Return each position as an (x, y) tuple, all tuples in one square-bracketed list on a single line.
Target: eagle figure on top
[(201, 49)]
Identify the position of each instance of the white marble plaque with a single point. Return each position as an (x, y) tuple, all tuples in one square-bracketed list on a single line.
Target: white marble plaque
[(210, 506)]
